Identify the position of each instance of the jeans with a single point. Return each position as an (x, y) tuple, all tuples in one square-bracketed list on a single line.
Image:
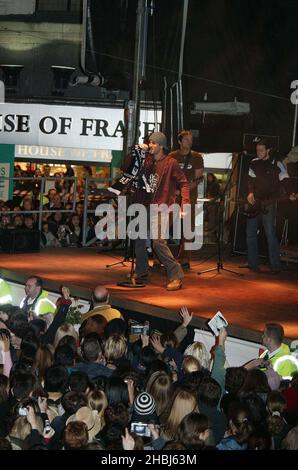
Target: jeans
[(162, 251), (252, 224)]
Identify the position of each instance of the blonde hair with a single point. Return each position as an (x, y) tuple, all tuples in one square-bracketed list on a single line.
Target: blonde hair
[(115, 347), (183, 404), (160, 386), (65, 330), (22, 428), (190, 364), (198, 351), (97, 400), (44, 358)]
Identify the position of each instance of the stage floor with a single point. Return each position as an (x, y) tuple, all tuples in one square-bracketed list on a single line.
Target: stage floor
[(247, 302)]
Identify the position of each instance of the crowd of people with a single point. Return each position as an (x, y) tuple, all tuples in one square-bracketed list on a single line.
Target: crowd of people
[(114, 384), (58, 229)]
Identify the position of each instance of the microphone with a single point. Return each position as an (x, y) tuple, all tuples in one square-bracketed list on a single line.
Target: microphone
[(142, 146)]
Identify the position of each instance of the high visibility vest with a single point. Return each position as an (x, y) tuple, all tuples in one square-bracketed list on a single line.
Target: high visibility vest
[(40, 306), (283, 362), (5, 293)]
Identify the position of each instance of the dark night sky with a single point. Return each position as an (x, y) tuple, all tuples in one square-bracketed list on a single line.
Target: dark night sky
[(243, 43)]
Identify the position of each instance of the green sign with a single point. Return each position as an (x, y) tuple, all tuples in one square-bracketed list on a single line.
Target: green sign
[(6, 170), (117, 157)]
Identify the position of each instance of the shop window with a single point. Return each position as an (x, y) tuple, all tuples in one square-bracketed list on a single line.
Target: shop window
[(61, 76), (11, 77)]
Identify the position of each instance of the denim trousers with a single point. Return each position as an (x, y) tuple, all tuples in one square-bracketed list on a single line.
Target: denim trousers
[(161, 249), (252, 225)]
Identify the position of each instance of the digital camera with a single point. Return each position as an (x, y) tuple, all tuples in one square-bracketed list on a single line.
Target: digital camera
[(22, 411), (141, 429), (139, 329)]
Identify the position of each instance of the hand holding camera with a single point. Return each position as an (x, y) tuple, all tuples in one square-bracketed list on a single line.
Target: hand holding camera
[(139, 329), (141, 429)]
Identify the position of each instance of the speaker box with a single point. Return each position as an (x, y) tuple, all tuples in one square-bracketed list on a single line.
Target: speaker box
[(19, 241)]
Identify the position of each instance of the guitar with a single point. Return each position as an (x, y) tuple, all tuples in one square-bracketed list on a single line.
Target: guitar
[(260, 205)]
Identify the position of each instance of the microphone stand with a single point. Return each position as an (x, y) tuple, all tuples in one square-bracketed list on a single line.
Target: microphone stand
[(221, 213), (132, 281)]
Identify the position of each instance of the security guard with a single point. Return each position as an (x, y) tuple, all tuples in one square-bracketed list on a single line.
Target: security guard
[(36, 299)]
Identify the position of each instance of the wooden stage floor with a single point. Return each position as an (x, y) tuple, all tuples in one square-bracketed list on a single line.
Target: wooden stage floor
[(247, 302)]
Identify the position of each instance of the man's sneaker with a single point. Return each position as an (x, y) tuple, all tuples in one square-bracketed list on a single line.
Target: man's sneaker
[(176, 284)]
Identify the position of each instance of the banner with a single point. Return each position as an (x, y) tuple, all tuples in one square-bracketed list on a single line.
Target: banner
[(6, 170), (68, 126)]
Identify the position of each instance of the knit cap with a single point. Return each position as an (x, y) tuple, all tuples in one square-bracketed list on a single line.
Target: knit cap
[(144, 404), (159, 138)]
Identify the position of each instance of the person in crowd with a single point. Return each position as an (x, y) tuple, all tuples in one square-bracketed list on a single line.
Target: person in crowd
[(5, 292), (94, 362), (48, 239), (100, 305), (276, 423), (29, 222), (75, 233), (276, 353), (290, 442), (209, 397), (46, 170), (75, 435), (194, 432), (36, 299), (184, 403), (18, 221), (192, 165), (198, 351), (160, 386), (55, 202), (56, 221), (239, 431), (27, 204)]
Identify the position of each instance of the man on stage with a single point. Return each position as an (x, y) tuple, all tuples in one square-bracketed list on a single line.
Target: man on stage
[(265, 175), (168, 176), (192, 165)]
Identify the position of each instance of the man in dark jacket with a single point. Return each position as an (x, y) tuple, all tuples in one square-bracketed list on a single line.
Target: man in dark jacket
[(265, 175)]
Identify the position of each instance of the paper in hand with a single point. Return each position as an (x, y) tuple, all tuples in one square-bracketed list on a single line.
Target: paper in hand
[(217, 323)]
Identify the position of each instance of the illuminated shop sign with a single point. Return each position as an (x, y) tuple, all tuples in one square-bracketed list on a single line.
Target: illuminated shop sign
[(68, 126)]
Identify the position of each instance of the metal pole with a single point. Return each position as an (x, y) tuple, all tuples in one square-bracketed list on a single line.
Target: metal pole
[(295, 126), (164, 110), (85, 211), (42, 187), (171, 114), (139, 73), (180, 91)]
